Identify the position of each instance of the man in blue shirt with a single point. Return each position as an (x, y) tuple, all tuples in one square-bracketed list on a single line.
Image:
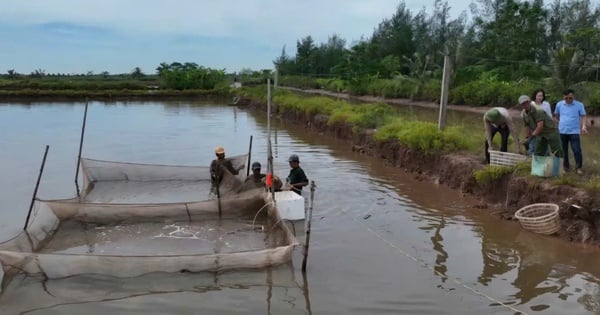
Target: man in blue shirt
[(571, 123)]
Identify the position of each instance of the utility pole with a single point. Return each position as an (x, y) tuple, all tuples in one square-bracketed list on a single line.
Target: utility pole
[(445, 87)]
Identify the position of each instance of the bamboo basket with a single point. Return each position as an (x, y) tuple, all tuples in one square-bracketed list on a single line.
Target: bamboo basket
[(540, 218), (499, 158)]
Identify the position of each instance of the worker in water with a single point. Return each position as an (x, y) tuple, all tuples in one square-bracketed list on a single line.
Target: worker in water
[(219, 166), (296, 179), (256, 179)]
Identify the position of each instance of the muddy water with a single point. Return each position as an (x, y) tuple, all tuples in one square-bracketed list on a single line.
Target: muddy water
[(382, 241)]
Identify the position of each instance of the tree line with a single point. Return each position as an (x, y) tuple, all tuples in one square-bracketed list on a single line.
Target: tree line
[(507, 44)]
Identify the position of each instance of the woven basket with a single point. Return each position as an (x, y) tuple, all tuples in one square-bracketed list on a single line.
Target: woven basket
[(499, 158), (540, 218)]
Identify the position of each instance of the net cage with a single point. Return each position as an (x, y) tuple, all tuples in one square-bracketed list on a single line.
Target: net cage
[(133, 219)]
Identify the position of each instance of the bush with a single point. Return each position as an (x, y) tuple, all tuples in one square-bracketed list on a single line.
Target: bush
[(491, 174), (424, 136), (490, 92)]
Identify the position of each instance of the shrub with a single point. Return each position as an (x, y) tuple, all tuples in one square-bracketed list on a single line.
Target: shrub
[(491, 174), (424, 136)]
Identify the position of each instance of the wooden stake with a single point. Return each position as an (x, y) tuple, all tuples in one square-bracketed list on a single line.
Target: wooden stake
[(37, 185), (308, 223)]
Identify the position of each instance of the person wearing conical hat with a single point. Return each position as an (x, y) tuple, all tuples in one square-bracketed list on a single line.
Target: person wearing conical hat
[(497, 120)]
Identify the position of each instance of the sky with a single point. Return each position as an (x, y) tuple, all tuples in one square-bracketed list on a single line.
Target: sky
[(78, 36)]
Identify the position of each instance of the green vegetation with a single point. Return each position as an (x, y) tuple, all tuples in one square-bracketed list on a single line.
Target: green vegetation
[(390, 125), (491, 174), (423, 136), (547, 44), (189, 76), (173, 80)]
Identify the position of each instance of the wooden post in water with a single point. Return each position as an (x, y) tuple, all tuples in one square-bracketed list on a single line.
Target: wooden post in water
[(445, 87), (37, 185), (308, 220), (219, 196), (269, 109), (80, 147), (249, 157)]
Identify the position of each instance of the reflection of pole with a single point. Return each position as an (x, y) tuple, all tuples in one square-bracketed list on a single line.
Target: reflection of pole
[(80, 146), (249, 157), (444, 96), (270, 289), (308, 220), (37, 185)]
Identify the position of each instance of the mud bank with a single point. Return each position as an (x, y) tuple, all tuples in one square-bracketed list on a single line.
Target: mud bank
[(580, 217)]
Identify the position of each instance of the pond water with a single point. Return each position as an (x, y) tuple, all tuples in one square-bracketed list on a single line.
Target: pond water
[(382, 242)]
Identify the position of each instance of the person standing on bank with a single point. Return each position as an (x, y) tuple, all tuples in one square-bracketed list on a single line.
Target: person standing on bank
[(296, 179), (544, 129), (571, 123), (219, 165), (539, 99), (496, 120)]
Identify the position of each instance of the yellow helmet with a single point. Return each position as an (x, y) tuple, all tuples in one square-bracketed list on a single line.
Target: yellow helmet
[(219, 150)]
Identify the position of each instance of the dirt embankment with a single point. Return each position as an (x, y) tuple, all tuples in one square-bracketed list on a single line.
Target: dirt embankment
[(580, 219)]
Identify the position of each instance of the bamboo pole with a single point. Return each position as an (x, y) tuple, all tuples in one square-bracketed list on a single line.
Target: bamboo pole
[(80, 148), (249, 157), (37, 185), (308, 223)]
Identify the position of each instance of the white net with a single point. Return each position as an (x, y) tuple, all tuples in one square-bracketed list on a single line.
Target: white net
[(118, 182), (135, 219)]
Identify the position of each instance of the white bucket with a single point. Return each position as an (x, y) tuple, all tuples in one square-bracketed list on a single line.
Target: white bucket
[(290, 205)]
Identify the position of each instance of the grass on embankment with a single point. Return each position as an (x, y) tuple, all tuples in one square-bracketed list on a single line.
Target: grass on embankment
[(392, 125), (389, 123)]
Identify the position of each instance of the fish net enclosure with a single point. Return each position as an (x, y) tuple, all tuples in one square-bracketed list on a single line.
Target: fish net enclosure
[(132, 219), (118, 182)]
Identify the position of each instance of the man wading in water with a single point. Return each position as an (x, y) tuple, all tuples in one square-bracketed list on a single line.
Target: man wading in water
[(217, 169), (296, 179)]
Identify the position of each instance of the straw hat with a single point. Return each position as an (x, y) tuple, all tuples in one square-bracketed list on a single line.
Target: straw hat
[(219, 150)]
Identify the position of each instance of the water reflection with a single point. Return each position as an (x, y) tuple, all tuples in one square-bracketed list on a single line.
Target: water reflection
[(96, 294)]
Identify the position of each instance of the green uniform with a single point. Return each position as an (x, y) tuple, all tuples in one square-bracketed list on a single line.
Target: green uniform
[(548, 136), (297, 176)]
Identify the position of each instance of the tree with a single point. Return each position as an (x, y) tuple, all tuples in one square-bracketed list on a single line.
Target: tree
[(12, 74), (137, 73)]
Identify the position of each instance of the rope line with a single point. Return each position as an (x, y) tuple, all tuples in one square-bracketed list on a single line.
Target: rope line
[(428, 266)]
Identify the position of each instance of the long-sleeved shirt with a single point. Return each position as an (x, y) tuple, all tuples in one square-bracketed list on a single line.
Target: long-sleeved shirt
[(497, 117)]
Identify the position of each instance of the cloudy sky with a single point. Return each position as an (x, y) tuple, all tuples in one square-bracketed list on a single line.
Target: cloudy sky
[(77, 36)]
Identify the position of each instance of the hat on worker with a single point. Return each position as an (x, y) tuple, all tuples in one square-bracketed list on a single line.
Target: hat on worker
[(294, 158), (523, 99), (255, 166), (219, 150)]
